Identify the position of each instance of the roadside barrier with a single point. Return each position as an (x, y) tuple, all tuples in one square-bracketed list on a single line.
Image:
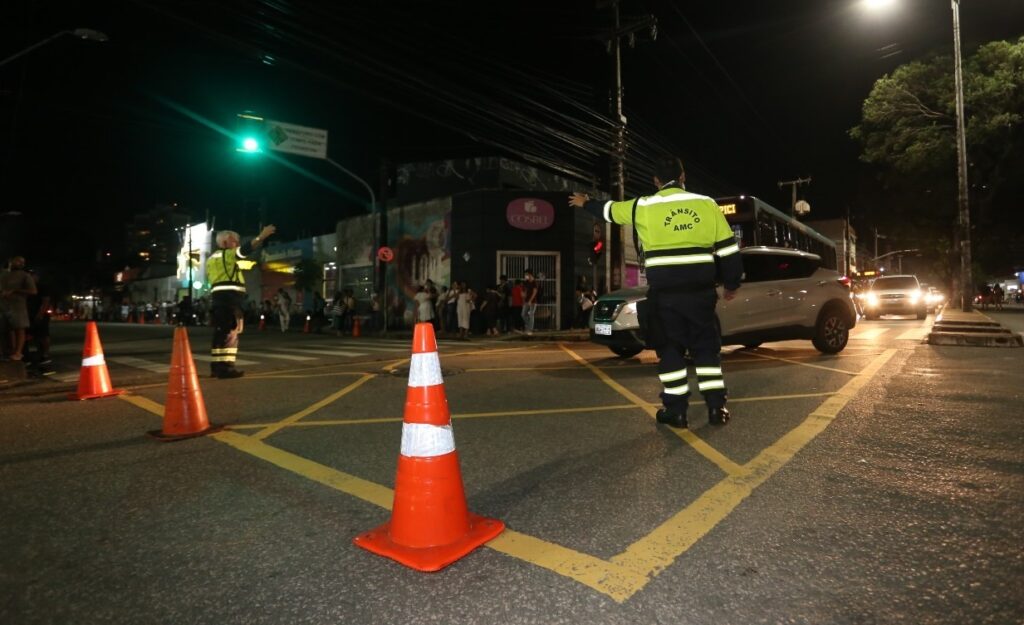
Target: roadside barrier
[(184, 410), (430, 525), (94, 379)]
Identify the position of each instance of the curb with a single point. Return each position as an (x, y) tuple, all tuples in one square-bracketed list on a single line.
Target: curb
[(972, 330)]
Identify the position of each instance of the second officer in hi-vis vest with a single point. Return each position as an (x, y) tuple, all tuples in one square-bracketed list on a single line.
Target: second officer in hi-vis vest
[(689, 248), (227, 297)]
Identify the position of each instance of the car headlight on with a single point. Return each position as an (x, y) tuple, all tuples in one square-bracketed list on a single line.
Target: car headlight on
[(915, 296), (871, 299), (628, 309)]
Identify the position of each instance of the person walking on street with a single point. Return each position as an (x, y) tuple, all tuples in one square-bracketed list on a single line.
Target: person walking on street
[(284, 308), (688, 246), (16, 285), (227, 295)]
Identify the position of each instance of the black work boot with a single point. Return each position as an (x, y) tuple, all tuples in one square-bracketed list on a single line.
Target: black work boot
[(228, 374), (673, 419), (718, 416)]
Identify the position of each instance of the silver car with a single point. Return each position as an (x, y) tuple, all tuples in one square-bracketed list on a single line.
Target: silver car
[(785, 295)]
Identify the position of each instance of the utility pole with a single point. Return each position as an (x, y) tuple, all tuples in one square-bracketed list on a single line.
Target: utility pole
[(794, 184), (877, 237), (966, 280), (613, 233)]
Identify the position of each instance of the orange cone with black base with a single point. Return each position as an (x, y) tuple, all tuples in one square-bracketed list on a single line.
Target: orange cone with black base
[(356, 332), (184, 410), (94, 379), (430, 525)]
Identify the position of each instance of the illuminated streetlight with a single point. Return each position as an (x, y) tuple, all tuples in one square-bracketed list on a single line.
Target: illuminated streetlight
[(966, 279)]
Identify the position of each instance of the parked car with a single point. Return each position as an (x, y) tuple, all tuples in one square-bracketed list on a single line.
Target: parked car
[(785, 295), (895, 295)]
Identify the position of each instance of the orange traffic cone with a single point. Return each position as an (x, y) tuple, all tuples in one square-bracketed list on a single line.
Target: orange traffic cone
[(430, 526), (184, 410), (356, 332), (306, 328), (263, 323), (142, 317), (94, 379)]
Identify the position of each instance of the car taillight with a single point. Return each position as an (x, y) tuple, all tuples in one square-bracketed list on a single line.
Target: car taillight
[(845, 281)]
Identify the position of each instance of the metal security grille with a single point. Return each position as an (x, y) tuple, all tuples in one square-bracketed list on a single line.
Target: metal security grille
[(545, 267)]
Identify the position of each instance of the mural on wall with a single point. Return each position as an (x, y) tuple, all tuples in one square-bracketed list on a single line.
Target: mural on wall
[(355, 241), (421, 237)]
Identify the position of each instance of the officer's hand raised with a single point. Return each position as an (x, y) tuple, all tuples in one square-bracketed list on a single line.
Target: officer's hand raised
[(578, 199)]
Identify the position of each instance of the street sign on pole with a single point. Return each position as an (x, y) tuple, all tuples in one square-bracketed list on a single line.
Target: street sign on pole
[(294, 139)]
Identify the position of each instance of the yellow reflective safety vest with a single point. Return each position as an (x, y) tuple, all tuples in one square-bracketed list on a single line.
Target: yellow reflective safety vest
[(224, 270), (686, 239)]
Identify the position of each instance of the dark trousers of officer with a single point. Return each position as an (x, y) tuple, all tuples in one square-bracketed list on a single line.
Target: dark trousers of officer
[(688, 323), (227, 319)]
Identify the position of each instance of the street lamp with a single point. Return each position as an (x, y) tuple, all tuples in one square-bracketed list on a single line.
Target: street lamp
[(87, 34), (966, 279)]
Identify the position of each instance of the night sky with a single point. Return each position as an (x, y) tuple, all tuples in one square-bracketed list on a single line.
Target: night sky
[(748, 93)]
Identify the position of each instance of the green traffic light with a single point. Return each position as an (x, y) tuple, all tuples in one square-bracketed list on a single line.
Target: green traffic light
[(249, 144)]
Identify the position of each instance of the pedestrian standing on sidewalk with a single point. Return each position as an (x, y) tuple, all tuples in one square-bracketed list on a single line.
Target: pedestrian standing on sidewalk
[(227, 297), (15, 287), (531, 290), (464, 310)]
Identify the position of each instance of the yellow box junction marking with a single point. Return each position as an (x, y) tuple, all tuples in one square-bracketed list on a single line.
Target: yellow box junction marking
[(630, 571), (691, 439)]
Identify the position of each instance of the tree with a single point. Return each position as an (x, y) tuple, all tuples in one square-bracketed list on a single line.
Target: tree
[(908, 130)]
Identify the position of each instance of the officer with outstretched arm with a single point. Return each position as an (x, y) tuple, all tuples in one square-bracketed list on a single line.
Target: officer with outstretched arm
[(227, 298), (689, 247)]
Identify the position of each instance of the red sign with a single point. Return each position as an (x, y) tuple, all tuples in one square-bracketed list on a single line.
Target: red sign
[(385, 254), (530, 214)]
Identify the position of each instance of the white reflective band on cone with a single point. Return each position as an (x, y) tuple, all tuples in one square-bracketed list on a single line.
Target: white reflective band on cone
[(93, 361), (420, 440), (425, 370)]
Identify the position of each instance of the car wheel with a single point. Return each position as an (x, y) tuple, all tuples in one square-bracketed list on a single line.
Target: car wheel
[(832, 332), (626, 352), (751, 345)]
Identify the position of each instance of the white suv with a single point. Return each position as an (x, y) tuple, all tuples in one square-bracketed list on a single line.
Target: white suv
[(895, 295), (785, 295)]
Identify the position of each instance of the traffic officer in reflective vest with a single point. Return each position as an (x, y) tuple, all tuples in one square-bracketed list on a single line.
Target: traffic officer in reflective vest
[(227, 297), (689, 247)]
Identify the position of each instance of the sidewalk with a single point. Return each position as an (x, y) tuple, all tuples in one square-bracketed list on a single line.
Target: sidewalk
[(956, 327)]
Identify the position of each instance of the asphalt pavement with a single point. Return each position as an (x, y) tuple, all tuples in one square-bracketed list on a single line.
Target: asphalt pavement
[(881, 485)]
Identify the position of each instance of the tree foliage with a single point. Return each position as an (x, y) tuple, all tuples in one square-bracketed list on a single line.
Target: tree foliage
[(908, 130)]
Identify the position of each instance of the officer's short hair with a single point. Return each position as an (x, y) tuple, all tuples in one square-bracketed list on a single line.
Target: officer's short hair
[(669, 168), (224, 235)]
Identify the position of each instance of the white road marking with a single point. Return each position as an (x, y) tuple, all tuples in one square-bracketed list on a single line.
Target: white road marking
[(139, 363), (868, 335), (264, 354), (205, 358), (916, 334)]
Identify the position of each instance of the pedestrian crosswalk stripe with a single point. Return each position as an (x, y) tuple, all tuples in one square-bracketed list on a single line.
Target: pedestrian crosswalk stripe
[(283, 356), (324, 352), (916, 334), (238, 361), (873, 333), (139, 363)]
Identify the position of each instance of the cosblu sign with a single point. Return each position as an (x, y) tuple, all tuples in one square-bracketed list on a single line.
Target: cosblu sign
[(530, 214)]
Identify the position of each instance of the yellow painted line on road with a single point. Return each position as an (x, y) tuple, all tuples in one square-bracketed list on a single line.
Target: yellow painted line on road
[(296, 376), (143, 402), (691, 439), (515, 413), (333, 397), (630, 571), (659, 549), (357, 487), (803, 364)]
